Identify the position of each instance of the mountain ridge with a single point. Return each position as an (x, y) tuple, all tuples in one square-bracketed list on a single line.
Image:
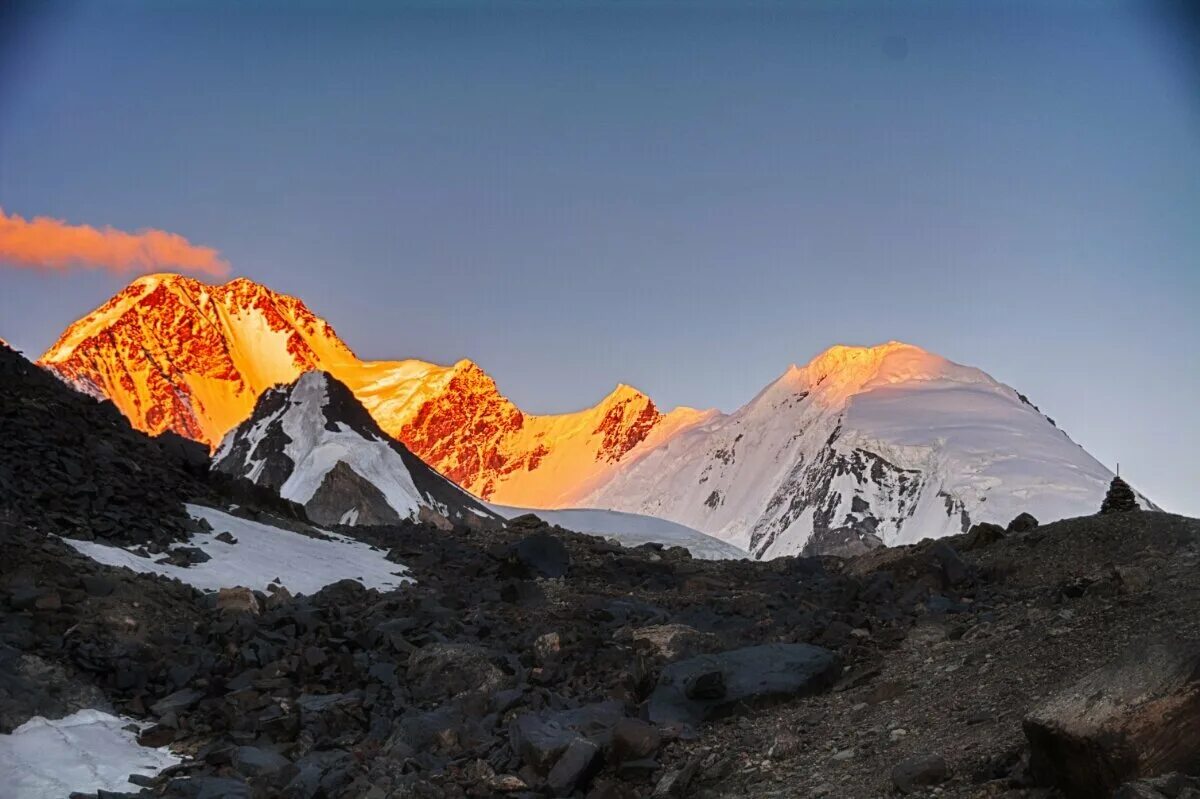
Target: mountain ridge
[(859, 446)]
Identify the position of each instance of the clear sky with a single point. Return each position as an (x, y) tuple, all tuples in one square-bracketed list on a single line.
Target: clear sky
[(684, 197)]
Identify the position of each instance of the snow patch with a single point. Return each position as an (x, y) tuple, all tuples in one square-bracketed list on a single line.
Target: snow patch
[(86, 752), (303, 564)]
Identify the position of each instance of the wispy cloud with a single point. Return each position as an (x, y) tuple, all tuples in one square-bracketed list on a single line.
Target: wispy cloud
[(53, 245)]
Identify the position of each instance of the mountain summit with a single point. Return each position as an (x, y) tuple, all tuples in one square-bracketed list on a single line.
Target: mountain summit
[(863, 445), (313, 443), (177, 354), (859, 446)]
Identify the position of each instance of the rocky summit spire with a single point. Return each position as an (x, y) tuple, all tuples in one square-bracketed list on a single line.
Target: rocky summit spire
[(1120, 498)]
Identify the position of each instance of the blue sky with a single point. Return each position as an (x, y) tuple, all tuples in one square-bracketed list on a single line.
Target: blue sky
[(682, 197)]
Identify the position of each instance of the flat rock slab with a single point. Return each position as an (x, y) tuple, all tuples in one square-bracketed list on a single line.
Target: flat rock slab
[(710, 686), (1137, 717)]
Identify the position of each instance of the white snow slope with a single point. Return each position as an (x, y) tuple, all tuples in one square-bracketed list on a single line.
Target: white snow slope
[(85, 752), (888, 438), (303, 565), (631, 529)]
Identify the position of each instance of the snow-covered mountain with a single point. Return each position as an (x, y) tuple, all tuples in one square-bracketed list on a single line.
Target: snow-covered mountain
[(313, 443), (886, 444), (176, 354), (860, 446)]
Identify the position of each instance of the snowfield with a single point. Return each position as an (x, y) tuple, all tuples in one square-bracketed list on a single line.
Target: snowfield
[(302, 564), (85, 752), (631, 529)]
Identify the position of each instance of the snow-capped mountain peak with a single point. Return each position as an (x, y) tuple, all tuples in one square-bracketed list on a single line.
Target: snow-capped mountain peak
[(861, 446), (314, 444), (177, 354)]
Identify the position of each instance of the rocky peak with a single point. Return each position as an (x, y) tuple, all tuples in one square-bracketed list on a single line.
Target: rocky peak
[(629, 416), (315, 444)]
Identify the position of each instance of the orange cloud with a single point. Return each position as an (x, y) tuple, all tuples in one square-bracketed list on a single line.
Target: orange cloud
[(45, 243)]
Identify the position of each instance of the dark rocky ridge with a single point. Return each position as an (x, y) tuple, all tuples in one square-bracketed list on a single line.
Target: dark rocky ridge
[(488, 677), (73, 466)]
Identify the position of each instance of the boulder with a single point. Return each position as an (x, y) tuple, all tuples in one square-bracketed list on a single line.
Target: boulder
[(575, 767), (539, 739), (709, 686), (633, 739), (954, 571), (673, 642), (1023, 523), (920, 771), (237, 600), (542, 555), (439, 671), (981, 535), (254, 761), (1137, 717)]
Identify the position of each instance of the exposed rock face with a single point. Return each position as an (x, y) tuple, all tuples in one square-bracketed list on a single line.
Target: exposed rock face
[(344, 490), (1137, 717)]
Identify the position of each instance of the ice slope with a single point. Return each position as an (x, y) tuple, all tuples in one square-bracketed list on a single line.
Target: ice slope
[(888, 442), (997, 455), (630, 529), (262, 555), (86, 752)]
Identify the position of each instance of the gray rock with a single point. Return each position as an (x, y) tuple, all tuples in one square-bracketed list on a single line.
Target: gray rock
[(574, 767), (220, 788), (1167, 786), (254, 761), (708, 686), (633, 739), (439, 671), (173, 703), (542, 555), (918, 772), (674, 642), (540, 738), (1023, 523)]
